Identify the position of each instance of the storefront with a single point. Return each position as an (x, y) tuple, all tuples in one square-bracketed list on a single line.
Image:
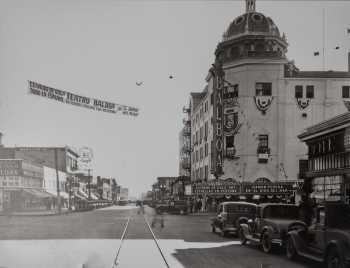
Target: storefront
[(207, 195), (328, 175), (21, 186)]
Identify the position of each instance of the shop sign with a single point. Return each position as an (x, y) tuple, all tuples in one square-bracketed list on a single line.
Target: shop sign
[(81, 101), (263, 156), (10, 167)]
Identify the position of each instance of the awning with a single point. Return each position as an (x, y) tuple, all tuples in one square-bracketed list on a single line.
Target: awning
[(63, 195), (37, 193), (83, 194), (94, 197), (79, 196)]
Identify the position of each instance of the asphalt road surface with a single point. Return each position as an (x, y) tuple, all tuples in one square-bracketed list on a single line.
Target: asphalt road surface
[(92, 240)]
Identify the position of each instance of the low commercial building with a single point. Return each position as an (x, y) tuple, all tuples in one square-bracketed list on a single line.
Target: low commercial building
[(21, 186), (327, 174)]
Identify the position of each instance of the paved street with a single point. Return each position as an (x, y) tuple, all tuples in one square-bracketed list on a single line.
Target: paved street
[(92, 238)]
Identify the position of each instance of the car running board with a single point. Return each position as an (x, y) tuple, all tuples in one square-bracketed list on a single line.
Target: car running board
[(311, 256)]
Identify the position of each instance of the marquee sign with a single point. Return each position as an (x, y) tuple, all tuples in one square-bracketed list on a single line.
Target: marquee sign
[(81, 101), (232, 188)]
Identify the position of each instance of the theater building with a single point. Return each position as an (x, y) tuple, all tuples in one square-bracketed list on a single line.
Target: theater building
[(245, 123), (327, 176)]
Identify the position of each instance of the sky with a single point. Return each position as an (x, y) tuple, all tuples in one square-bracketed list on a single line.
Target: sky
[(100, 49)]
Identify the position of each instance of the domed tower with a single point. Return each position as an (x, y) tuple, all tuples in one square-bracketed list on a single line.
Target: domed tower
[(248, 91), (251, 36)]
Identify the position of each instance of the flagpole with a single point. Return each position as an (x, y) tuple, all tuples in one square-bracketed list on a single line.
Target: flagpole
[(324, 38)]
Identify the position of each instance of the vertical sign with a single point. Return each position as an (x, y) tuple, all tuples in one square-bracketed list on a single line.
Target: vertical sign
[(218, 87)]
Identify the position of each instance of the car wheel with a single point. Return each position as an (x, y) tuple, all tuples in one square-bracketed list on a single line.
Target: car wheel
[(213, 229), (291, 252), (241, 236), (266, 243), (334, 259)]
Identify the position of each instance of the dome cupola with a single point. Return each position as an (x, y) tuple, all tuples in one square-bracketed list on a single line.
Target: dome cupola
[(252, 35)]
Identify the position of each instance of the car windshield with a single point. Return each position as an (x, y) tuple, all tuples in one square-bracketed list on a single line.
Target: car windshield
[(235, 208), (281, 212)]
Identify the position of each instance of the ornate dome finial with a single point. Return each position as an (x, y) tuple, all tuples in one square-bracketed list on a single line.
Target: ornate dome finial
[(250, 6)]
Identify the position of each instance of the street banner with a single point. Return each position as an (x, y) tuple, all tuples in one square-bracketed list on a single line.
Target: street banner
[(81, 101)]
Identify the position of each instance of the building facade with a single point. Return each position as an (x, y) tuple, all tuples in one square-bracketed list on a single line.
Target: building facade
[(245, 123), (327, 175)]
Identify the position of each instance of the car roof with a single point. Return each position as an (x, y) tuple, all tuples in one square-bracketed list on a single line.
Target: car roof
[(237, 203)]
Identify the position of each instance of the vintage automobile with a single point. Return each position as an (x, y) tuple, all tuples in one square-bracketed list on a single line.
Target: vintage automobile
[(172, 207), (230, 215), (271, 225), (326, 240)]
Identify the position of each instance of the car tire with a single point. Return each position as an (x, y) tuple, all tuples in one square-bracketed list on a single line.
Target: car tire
[(266, 243), (334, 259), (242, 237), (291, 251)]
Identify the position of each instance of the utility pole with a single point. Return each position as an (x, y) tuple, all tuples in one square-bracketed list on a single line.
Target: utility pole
[(89, 183), (57, 183)]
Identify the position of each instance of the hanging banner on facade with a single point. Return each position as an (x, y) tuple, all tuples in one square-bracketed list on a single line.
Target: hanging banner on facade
[(77, 100)]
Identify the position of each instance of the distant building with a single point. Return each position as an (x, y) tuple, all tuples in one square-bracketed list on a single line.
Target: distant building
[(124, 194), (21, 186)]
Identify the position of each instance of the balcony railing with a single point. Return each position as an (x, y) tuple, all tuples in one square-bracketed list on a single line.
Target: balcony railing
[(263, 150), (330, 162), (230, 152), (187, 131)]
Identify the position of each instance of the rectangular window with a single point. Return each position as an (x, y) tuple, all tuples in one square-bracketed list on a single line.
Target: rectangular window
[(230, 141), (211, 98), (263, 141), (206, 172), (206, 107), (310, 92), (263, 89), (346, 92), (201, 153), (298, 92), (206, 149), (231, 92), (206, 130), (200, 135)]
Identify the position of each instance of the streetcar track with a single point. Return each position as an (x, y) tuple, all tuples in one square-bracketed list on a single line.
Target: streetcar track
[(115, 264)]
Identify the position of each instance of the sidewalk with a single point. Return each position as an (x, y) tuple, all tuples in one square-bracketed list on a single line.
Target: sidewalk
[(36, 213)]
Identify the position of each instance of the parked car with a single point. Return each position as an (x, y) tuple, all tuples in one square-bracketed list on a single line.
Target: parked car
[(230, 215), (271, 225), (326, 240), (172, 207)]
